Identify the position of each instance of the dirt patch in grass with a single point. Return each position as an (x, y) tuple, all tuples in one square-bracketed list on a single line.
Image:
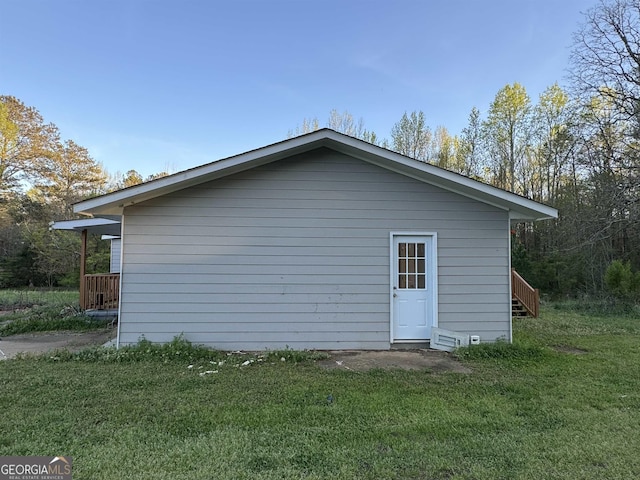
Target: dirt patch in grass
[(361, 361), (570, 350), (48, 341)]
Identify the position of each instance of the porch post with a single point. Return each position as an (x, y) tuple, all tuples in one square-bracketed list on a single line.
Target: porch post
[(83, 268)]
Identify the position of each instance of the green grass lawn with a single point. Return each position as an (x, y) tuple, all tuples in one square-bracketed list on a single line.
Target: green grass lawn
[(563, 403)]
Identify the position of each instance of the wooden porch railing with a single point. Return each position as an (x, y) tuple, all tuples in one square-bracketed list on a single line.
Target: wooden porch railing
[(100, 291), (528, 296)]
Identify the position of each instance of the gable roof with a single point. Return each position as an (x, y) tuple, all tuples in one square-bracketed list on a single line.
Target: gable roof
[(520, 208)]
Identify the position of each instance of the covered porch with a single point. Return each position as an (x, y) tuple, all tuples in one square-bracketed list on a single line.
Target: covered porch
[(99, 292)]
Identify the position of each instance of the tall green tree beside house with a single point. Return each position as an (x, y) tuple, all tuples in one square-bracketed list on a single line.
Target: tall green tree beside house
[(553, 139), (507, 131)]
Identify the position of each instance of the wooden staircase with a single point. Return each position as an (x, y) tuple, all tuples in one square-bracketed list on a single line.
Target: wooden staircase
[(525, 300), (517, 309)]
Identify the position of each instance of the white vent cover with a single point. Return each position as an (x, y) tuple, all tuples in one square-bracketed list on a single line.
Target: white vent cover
[(447, 340)]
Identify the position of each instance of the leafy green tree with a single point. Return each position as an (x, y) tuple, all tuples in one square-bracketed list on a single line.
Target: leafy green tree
[(67, 176), (25, 141), (554, 143), (40, 177), (470, 145), (621, 281), (447, 151), (411, 136), (507, 131), (19, 270), (131, 178), (55, 253)]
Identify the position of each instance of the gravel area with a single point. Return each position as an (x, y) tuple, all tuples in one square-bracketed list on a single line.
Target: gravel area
[(47, 341)]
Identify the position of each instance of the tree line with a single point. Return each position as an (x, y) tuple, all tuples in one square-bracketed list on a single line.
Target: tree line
[(575, 147), (41, 177), (560, 151)]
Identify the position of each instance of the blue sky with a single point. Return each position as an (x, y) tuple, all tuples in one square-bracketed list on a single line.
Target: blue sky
[(158, 84)]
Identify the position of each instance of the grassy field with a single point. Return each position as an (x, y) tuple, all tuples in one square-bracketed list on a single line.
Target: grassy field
[(562, 403), (39, 310), (24, 298)]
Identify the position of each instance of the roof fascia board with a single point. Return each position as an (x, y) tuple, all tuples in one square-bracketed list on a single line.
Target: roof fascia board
[(82, 223), (101, 226)]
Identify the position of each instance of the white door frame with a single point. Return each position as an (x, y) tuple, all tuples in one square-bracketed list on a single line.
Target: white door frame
[(433, 270)]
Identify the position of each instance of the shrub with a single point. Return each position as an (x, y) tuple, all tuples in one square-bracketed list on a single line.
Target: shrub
[(621, 281)]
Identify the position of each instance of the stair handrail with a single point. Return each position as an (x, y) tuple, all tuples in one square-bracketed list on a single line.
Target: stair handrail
[(528, 296)]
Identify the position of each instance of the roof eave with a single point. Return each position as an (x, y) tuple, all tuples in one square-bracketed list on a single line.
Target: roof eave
[(100, 226), (519, 208), (115, 202)]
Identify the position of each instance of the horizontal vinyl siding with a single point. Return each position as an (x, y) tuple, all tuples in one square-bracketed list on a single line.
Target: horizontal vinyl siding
[(296, 253), (114, 266)]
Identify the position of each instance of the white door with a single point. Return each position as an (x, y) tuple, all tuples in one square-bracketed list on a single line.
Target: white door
[(413, 292)]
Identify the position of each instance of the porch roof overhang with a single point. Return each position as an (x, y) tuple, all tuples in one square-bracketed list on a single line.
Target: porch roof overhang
[(100, 226), (519, 208)]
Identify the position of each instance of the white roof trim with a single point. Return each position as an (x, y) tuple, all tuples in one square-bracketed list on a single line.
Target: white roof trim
[(104, 226), (520, 208)]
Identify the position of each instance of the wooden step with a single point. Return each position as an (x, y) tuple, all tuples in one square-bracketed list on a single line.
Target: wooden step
[(517, 309)]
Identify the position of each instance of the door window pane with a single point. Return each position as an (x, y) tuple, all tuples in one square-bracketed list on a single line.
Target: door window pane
[(412, 265)]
